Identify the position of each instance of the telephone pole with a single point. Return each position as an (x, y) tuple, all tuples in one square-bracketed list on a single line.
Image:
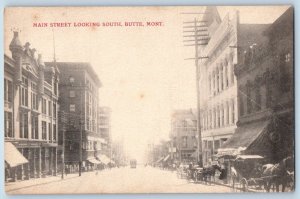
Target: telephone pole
[(197, 30)]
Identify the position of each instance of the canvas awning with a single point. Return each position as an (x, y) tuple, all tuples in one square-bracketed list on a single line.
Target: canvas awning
[(248, 157), (104, 159), (166, 158), (13, 157), (243, 137), (94, 161)]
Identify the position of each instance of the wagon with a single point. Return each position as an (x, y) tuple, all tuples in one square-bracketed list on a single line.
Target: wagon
[(247, 173)]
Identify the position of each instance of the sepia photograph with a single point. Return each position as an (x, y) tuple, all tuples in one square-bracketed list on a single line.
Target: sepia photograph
[(149, 99)]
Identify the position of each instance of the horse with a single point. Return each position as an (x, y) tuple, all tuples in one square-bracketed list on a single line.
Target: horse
[(278, 174), (210, 171)]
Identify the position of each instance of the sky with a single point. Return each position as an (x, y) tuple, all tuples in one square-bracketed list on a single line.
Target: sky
[(143, 69)]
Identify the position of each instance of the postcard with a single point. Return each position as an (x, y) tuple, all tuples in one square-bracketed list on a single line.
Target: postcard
[(157, 99)]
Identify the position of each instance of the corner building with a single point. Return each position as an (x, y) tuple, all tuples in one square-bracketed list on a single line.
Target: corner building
[(30, 113)]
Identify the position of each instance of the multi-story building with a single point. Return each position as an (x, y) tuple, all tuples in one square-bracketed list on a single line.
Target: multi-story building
[(30, 113), (79, 102), (104, 128), (218, 84), (183, 135), (265, 80)]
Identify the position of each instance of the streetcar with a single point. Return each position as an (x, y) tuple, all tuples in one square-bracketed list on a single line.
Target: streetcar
[(133, 163)]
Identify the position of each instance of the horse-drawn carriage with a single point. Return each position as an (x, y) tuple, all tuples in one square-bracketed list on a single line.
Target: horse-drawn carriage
[(250, 173)]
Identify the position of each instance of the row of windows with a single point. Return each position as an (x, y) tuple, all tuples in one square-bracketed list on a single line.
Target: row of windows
[(219, 116), (24, 131), (250, 100), (184, 141), (220, 78)]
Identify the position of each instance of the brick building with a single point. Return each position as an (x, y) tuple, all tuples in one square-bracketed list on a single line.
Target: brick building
[(183, 135), (30, 113), (79, 101), (265, 80)]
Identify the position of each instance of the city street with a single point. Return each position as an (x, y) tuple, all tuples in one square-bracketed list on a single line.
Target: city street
[(117, 180)]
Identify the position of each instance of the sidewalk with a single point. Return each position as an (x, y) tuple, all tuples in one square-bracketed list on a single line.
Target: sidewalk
[(10, 186)]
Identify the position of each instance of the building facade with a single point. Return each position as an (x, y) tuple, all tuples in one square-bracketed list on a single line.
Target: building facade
[(104, 128), (265, 80), (183, 135), (79, 102), (218, 84), (30, 113)]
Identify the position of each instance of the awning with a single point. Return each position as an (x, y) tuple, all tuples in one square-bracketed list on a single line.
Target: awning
[(247, 157), (166, 158), (104, 159), (12, 155), (94, 161), (243, 137)]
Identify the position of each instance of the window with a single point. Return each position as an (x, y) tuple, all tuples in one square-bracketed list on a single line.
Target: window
[(34, 127), (288, 57), (72, 93), (54, 132), (184, 141), (8, 124), (72, 107), (54, 110), (8, 90), (72, 79), (24, 92), (49, 108), (50, 131), (34, 101), (44, 106), (44, 130), (23, 125)]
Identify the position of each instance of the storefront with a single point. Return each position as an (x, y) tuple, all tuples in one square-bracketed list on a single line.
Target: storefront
[(29, 159)]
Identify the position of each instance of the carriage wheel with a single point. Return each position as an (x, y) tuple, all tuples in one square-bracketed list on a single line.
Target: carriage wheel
[(244, 184)]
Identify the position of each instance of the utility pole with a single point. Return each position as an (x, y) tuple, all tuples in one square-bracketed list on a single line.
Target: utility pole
[(199, 38), (80, 123), (63, 120)]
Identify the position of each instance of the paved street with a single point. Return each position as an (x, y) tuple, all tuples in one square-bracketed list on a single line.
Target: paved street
[(117, 180)]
